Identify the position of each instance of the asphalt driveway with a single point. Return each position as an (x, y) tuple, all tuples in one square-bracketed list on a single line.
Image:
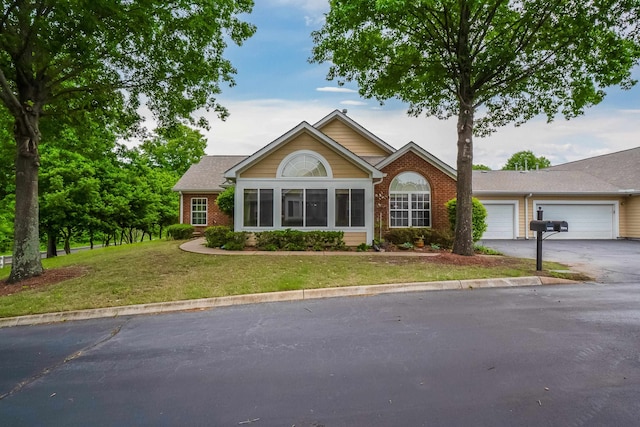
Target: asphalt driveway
[(608, 261)]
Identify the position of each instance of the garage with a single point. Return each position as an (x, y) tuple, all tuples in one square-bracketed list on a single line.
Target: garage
[(501, 220), (588, 220)]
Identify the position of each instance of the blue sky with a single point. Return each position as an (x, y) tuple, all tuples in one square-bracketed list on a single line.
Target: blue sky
[(277, 89)]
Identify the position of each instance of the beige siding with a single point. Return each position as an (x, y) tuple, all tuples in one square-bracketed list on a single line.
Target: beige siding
[(355, 238), (632, 216), (268, 167), (352, 140)]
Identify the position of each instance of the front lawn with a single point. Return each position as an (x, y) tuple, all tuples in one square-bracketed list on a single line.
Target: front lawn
[(159, 271)]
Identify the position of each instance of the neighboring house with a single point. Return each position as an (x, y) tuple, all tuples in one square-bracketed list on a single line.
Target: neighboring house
[(599, 197), (334, 175)]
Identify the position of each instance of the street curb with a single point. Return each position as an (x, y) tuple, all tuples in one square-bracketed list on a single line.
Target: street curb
[(208, 303)]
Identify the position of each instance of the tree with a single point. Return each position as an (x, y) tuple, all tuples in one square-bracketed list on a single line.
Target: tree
[(487, 62), (481, 168), (526, 160), (174, 148), (59, 57)]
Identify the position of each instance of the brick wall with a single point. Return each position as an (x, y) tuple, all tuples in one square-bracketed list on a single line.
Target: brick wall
[(443, 189), (214, 216)]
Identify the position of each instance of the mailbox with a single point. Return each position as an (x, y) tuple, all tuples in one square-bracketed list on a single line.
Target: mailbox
[(541, 226), (560, 226)]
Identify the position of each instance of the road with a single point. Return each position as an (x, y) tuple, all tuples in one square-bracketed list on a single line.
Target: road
[(555, 355)]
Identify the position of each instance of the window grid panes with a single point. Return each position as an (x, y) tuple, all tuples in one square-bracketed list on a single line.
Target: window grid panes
[(303, 166), (199, 211), (409, 201)]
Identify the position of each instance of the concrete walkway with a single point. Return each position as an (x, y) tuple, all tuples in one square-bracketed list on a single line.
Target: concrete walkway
[(197, 246)]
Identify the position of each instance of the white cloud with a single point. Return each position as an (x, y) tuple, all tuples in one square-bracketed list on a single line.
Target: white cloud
[(355, 103), (254, 124), (309, 6), (336, 89)]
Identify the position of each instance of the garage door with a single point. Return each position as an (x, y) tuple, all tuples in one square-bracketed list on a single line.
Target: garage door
[(586, 221), (500, 221)]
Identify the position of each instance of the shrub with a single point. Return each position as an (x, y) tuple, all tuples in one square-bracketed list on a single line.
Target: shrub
[(235, 240), (180, 231), (294, 240), (478, 217), (398, 236), (225, 201), (216, 236)]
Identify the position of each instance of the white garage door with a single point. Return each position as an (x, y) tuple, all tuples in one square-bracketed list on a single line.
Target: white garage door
[(500, 221), (586, 221)]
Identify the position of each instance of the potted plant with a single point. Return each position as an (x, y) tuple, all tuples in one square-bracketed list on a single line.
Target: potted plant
[(419, 242)]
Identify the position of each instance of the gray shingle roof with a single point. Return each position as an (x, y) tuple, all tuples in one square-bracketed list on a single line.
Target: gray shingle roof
[(208, 174), (621, 169), (543, 181)]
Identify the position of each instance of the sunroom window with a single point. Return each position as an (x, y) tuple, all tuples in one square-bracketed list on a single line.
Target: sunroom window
[(409, 201), (304, 166), (304, 207)]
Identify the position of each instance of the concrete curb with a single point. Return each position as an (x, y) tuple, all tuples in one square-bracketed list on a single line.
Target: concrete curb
[(207, 303)]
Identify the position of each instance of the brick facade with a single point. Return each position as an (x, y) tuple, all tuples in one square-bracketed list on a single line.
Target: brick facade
[(214, 216), (443, 189)]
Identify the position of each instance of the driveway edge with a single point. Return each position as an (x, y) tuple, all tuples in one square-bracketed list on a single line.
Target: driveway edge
[(208, 303)]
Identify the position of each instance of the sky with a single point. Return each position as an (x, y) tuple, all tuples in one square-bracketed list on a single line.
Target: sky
[(277, 88)]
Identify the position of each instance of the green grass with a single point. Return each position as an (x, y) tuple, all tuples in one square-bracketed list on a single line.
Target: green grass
[(159, 271)]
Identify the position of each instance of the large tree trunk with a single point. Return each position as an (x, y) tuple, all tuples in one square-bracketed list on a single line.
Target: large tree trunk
[(463, 241), (26, 248)]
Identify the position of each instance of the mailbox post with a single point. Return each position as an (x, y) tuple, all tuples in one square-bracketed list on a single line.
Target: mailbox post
[(540, 227)]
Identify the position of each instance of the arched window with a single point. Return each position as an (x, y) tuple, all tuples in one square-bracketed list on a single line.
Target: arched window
[(303, 165), (409, 201)]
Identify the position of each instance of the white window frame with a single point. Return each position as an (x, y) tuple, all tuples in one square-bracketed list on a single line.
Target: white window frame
[(409, 209), (206, 210)]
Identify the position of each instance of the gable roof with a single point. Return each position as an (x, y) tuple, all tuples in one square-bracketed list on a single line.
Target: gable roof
[(621, 169), (303, 127), (207, 175), (342, 116), (422, 153), (611, 174)]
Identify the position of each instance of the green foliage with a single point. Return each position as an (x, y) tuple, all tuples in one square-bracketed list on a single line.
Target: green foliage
[(526, 160), (398, 236), (295, 240), (174, 148), (485, 250), (216, 236), (105, 59), (478, 217), (225, 201), (235, 240), (363, 247), (481, 168), (490, 63), (180, 231)]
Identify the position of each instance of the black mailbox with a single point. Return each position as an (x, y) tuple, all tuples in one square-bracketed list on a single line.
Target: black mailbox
[(560, 226), (541, 226)]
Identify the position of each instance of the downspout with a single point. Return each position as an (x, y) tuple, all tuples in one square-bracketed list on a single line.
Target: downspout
[(181, 207), (526, 216)]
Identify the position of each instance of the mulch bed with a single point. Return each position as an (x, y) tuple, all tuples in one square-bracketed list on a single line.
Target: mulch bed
[(49, 277)]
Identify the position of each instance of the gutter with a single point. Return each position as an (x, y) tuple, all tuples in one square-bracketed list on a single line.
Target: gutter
[(526, 215)]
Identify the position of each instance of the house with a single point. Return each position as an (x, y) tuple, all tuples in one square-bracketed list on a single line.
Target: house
[(333, 175), (336, 175), (598, 197)]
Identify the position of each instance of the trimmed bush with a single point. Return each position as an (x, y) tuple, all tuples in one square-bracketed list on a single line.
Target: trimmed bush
[(216, 236), (478, 217), (398, 236), (294, 240), (235, 240), (180, 231)]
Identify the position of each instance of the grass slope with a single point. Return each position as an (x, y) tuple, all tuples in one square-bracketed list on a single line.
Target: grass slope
[(159, 271)]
